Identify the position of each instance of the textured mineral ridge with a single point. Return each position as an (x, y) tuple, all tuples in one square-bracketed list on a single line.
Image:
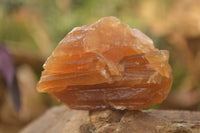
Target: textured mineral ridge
[(107, 65)]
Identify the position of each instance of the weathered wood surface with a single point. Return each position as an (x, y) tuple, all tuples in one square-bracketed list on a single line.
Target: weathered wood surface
[(63, 120)]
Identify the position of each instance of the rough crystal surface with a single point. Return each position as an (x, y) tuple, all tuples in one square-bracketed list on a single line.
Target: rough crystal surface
[(107, 65)]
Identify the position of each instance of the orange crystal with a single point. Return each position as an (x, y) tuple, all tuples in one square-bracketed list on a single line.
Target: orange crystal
[(107, 65)]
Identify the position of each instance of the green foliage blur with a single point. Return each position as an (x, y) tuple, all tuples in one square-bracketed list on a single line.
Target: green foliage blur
[(23, 23)]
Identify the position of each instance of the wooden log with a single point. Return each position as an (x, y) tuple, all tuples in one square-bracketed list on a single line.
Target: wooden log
[(64, 120)]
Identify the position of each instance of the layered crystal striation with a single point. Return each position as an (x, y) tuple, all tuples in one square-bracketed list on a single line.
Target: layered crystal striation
[(107, 65)]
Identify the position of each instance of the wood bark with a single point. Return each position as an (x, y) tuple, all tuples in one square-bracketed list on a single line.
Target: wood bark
[(64, 120)]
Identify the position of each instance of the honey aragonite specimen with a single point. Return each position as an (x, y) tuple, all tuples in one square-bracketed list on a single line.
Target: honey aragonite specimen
[(107, 65)]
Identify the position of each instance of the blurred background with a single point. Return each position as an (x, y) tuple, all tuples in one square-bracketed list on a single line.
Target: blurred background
[(30, 30)]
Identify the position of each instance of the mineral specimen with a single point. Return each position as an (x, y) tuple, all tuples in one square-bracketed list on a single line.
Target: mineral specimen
[(107, 65)]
